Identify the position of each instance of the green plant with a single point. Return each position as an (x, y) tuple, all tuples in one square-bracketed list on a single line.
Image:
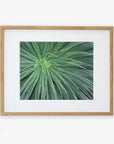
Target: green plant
[(56, 70)]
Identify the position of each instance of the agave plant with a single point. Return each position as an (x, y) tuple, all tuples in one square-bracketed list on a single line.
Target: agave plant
[(56, 70)]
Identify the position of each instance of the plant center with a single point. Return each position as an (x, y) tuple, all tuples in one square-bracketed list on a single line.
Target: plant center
[(44, 64)]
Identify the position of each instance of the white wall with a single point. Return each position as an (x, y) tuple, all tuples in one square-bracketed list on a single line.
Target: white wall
[(56, 129)]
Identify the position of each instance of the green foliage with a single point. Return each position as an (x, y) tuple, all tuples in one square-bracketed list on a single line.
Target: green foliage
[(56, 70)]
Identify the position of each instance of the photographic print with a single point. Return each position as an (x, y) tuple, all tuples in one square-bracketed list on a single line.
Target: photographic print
[(56, 70)]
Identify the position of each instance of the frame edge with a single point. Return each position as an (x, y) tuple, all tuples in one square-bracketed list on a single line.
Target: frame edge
[(2, 68), (111, 70)]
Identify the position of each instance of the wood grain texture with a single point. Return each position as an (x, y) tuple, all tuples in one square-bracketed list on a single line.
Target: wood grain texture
[(59, 27), (111, 70), (2, 28), (2, 70), (56, 113)]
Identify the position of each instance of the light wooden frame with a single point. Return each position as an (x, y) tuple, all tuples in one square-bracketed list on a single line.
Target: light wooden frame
[(2, 28)]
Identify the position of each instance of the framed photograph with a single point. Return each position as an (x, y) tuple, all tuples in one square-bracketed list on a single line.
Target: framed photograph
[(56, 70)]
